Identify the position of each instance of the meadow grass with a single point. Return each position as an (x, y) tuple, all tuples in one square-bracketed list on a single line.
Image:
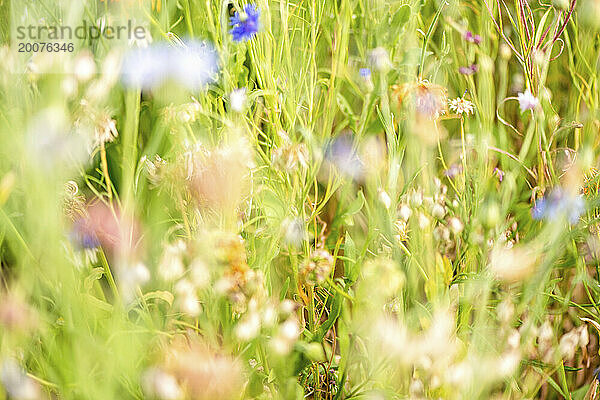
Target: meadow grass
[(356, 199)]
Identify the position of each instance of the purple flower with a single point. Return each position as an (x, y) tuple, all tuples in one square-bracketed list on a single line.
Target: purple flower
[(365, 73), (470, 70), (453, 171), (245, 25), (558, 204), (469, 37), (499, 173), (341, 153)]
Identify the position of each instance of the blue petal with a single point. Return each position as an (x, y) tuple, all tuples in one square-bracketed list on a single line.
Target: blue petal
[(245, 29), (539, 210)]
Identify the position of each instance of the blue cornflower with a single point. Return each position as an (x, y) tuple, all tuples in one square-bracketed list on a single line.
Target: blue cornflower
[(539, 209), (192, 64), (556, 204), (245, 25), (83, 235), (341, 153), (365, 73)]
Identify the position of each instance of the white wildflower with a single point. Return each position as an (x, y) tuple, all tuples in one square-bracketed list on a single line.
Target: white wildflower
[(190, 305), (287, 306), (424, 221), (269, 316), (416, 388), (415, 198), (584, 336), (384, 198), (16, 382), (438, 211), (404, 212), (186, 298), (460, 106), (237, 99), (527, 101), (171, 265), (441, 233), (508, 363), (130, 277), (161, 385), (546, 332), (199, 274), (294, 232), (456, 226), (105, 130), (85, 67), (380, 59), (290, 329), (288, 334), (249, 327)]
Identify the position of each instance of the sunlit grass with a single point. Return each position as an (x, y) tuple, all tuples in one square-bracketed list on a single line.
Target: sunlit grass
[(349, 199)]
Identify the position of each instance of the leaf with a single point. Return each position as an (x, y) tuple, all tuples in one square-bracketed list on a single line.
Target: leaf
[(95, 274), (160, 295), (350, 264), (374, 127), (336, 310), (556, 387), (344, 105), (540, 29), (6, 186), (271, 377), (255, 385), (273, 205), (553, 383), (563, 380), (313, 351), (397, 23), (444, 266), (284, 289), (356, 205), (400, 18), (102, 305)]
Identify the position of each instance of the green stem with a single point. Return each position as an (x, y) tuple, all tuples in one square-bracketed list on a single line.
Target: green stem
[(311, 309), (129, 135), (339, 290), (108, 274), (428, 35), (16, 233), (464, 149)]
